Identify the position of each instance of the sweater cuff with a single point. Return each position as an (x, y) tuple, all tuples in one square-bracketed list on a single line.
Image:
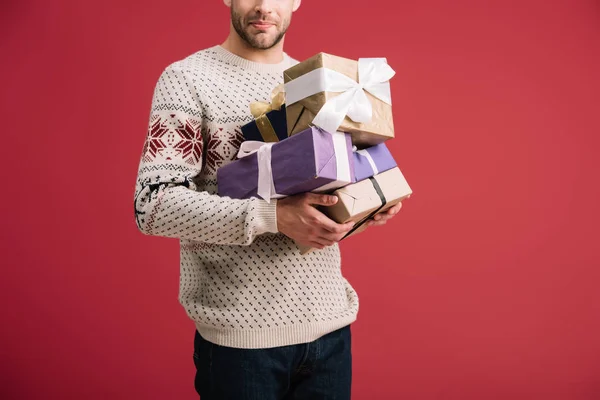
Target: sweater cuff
[(266, 214)]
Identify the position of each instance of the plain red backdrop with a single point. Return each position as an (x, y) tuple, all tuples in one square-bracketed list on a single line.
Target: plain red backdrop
[(484, 287)]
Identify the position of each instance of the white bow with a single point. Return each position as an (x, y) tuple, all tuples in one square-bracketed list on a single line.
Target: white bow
[(266, 186), (373, 76)]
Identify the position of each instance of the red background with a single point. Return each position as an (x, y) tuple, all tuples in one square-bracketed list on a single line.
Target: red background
[(484, 287)]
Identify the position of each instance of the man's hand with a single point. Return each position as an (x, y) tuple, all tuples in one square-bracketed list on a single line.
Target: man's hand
[(299, 220), (382, 218)]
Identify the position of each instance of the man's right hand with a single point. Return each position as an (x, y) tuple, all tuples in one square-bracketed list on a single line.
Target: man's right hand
[(300, 221)]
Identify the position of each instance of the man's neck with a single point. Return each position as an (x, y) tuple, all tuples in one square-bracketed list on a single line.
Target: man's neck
[(239, 47)]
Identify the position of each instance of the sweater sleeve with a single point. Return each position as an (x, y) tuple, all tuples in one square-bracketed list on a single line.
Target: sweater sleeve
[(167, 201)]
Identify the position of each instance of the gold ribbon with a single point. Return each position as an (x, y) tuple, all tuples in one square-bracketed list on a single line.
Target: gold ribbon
[(260, 109)]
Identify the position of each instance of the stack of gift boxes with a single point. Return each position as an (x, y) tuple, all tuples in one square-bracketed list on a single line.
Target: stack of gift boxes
[(323, 132)]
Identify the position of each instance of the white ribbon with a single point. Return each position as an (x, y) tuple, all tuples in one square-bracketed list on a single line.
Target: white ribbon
[(266, 186), (373, 76), (366, 154)]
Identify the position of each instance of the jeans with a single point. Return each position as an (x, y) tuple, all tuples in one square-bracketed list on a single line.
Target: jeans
[(319, 370)]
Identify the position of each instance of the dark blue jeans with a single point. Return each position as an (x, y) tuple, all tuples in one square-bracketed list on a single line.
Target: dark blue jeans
[(319, 370)]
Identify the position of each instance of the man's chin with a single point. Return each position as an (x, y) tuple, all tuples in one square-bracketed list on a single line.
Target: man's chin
[(262, 43)]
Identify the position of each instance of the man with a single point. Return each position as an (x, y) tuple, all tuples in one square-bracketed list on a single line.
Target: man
[(270, 323)]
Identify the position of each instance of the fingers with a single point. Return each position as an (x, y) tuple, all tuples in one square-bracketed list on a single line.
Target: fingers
[(320, 199), (394, 210), (382, 218), (376, 223), (332, 237), (333, 227), (326, 232), (326, 237), (389, 213), (321, 221)]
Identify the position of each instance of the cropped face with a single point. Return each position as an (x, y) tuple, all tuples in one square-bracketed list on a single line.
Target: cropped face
[(261, 23)]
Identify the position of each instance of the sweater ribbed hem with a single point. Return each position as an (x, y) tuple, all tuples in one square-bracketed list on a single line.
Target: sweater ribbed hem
[(268, 338), (228, 57), (266, 214)]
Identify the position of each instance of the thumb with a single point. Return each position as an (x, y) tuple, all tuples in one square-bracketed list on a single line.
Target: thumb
[(321, 199)]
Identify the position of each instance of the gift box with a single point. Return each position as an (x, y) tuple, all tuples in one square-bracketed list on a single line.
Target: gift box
[(340, 94), (268, 127), (371, 161), (311, 161), (269, 123), (361, 201)]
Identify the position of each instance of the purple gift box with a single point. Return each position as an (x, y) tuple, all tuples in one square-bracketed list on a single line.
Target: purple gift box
[(372, 161), (311, 161)]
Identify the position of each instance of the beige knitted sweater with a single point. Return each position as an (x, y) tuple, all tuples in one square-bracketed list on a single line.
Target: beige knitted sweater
[(242, 283)]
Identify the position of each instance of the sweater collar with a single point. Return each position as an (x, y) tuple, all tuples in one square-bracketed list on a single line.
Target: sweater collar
[(234, 59)]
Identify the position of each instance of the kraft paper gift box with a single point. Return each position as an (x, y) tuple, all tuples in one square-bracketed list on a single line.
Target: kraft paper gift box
[(371, 161), (311, 161), (340, 94), (361, 201), (269, 124)]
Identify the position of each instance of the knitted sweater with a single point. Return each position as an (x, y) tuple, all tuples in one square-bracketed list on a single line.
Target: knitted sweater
[(242, 283)]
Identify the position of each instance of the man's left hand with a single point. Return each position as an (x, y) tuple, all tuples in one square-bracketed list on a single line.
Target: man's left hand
[(382, 218)]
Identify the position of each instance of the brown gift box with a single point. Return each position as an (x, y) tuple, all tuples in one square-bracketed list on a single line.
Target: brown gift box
[(358, 202), (301, 114)]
